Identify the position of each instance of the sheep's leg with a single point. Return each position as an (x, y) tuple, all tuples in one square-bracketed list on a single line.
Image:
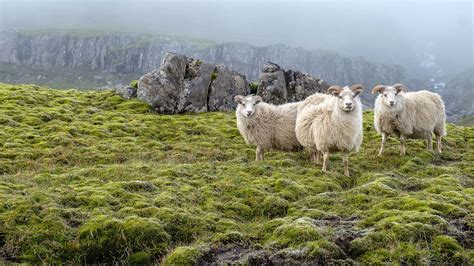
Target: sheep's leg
[(318, 157), (259, 154), (402, 145), (429, 143), (384, 140), (439, 143), (346, 163), (325, 161), (312, 156)]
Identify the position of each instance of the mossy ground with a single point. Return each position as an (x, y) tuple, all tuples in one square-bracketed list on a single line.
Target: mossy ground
[(89, 177)]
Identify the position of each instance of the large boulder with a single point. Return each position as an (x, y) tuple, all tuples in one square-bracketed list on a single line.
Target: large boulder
[(225, 85), (183, 84), (278, 86), (161, 88), (197, 79), (300, 85), (272, 85)]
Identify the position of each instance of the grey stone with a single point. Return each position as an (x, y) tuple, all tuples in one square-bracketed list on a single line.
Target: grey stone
[(224, 87), (197, 80), (278, 86), (126, 92), (272, 85), (161, 88), (184, 84)]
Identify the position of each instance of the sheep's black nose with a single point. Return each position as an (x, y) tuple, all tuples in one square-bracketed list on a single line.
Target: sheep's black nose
[(392, 103), (249, 112), (348, 104)]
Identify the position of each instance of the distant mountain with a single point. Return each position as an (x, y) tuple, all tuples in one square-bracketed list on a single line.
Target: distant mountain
[(459, 94), (115, 56)]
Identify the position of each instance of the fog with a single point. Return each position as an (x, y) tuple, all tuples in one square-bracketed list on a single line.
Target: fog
[(434, 33)]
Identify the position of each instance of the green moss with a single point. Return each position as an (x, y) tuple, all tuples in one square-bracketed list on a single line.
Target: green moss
[(140, 258), (324, 250), (294, 233), (273, 206), (134, 84), (254, 87), (213, 75), (104, 238), (91, 177), (183, 256), (447, 250)]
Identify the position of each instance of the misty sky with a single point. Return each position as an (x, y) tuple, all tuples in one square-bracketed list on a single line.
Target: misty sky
[(386, 31)]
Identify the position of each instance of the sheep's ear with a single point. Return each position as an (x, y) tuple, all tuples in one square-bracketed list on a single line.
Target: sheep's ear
[(258, 99), (378, 88), (239, 99), (334, 90), (400, 87), (357, 89)]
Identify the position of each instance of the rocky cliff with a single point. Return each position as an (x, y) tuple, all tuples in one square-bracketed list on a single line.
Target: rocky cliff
[(125, 54)]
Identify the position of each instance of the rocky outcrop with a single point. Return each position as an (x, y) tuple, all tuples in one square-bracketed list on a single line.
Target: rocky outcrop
[(183, 84), (279, 86)]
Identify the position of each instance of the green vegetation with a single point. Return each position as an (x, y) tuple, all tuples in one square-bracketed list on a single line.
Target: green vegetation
[(134, 84), (214, 75), (88, 177), (254, 87)]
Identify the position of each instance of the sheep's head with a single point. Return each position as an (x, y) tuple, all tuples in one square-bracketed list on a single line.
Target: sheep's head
[(347, 96), (246, 104), (389, 94)]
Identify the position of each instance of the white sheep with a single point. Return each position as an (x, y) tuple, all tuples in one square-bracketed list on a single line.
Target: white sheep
[(266, 125), (415, 115), (327, 123)]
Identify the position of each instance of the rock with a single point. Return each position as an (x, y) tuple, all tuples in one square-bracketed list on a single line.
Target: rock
[(183, 84), (161, 88), (300, 85), (272, 86), (126, 92), (278, 86), (197, 79), (224, 87)]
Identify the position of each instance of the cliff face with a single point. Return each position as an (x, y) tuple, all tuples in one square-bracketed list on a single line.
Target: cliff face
[(137, 54)]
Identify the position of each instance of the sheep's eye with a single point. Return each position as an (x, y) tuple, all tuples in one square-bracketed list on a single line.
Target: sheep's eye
[(340, 97), (385, 95)]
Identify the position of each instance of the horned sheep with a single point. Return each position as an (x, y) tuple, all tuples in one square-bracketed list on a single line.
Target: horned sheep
[(414, 115), (331, 123), (266, 125)]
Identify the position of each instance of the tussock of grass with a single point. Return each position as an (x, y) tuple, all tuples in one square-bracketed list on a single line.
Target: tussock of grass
[(90, 177)]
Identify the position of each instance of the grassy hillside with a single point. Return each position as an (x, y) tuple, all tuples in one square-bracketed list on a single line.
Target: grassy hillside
[(89, 177)]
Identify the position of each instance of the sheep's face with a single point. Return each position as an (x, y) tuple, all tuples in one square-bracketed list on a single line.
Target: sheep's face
[(390, 94), (347, 96), (246, 105)]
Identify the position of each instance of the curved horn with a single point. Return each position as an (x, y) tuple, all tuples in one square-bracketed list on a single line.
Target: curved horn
[(400, 87), (334, 90), (239, 98), (357, 88), (378, 88)]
